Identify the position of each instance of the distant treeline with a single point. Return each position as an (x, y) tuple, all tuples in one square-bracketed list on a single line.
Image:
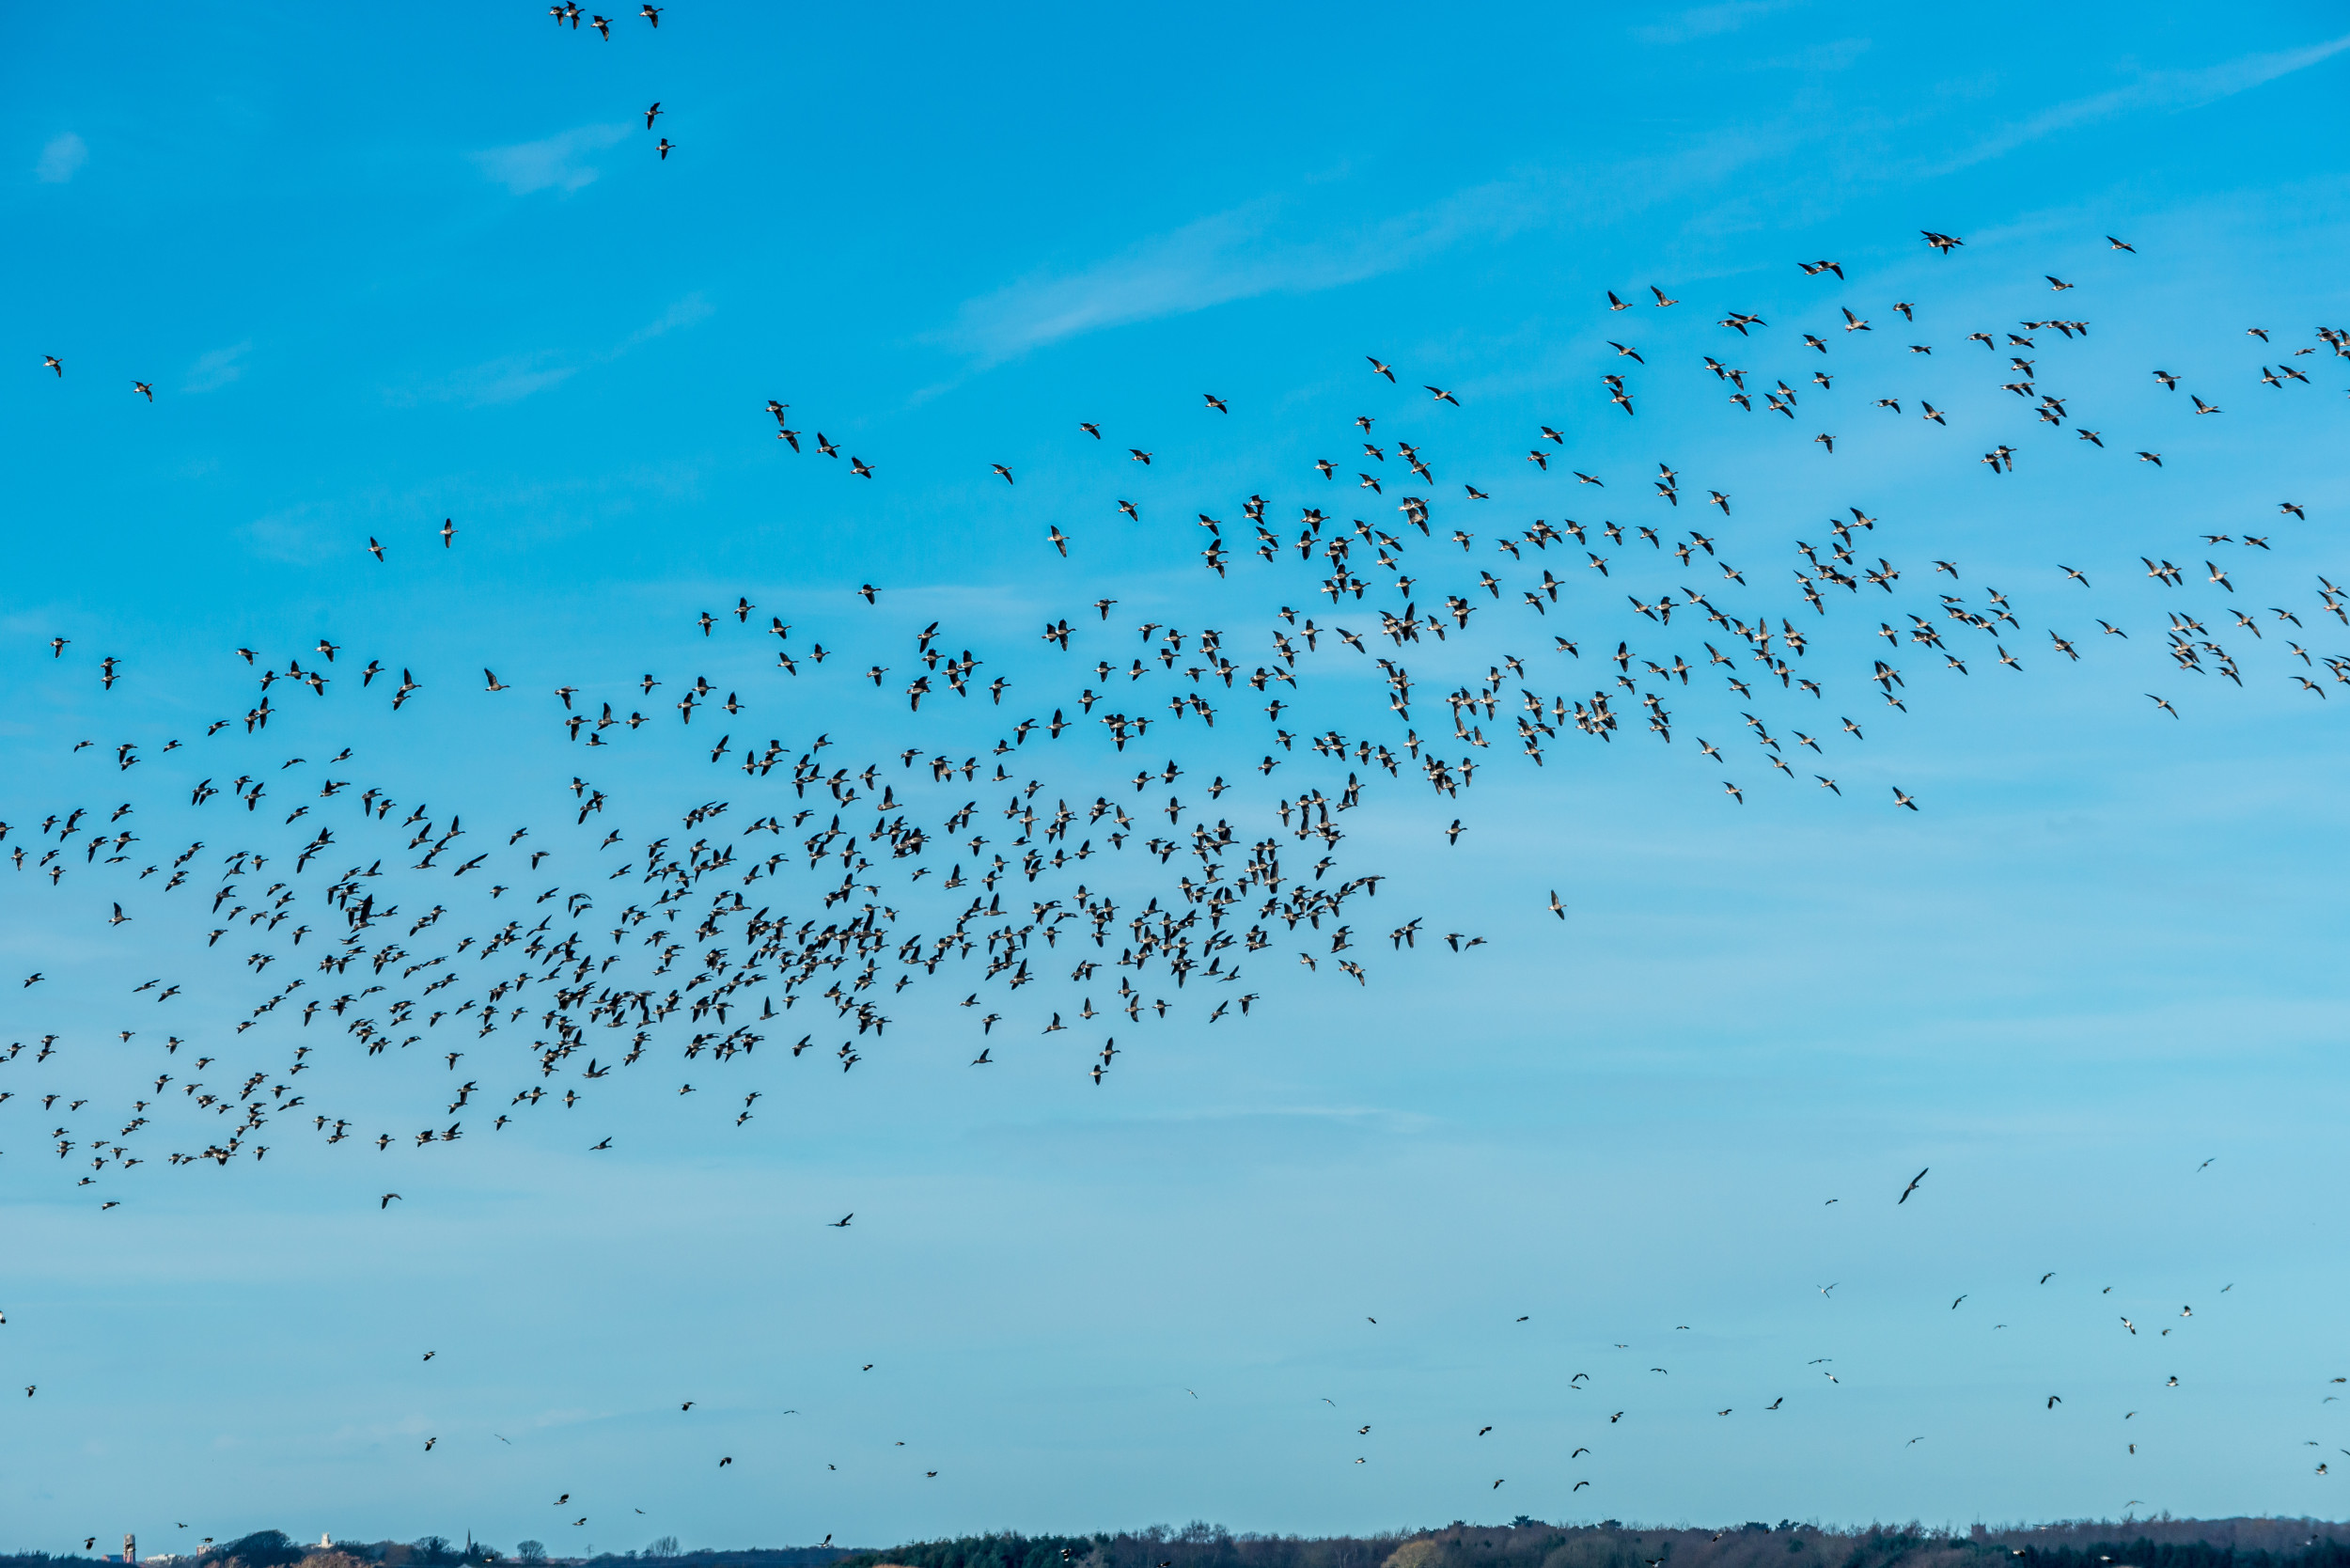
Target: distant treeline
[(2157, 1543)]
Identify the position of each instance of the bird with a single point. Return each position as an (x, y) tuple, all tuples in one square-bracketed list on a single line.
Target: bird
[(1912, 1187), (666, 147), (652, 114), (387, 1199), (842, 1223)]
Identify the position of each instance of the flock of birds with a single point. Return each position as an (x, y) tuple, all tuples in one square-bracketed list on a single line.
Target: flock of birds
[(841, 873), (335, 871)]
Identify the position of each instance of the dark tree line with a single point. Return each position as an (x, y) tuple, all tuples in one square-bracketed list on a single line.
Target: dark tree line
[(1530, 1543), (1524, 1543)]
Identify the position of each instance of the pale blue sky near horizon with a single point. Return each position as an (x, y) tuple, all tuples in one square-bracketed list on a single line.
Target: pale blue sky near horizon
[(387, 267)]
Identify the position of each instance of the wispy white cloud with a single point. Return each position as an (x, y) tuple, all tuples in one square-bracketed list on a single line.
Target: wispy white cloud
[(216, 370), (2161, 89), (61, 160), (552, 163), (1231, 256), (1253, 249), (1705, 21), (512, 377), (1244, 252), (1839, 55), (304, 535), (687, 311), (506, 379)]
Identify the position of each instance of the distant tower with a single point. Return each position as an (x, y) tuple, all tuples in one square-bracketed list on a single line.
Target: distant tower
[(324, 1543), (129, 1548)]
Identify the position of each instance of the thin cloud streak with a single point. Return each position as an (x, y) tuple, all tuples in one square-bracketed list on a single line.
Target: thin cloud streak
[(512, 377), (2162, 89), (551, 163), (61, 160), (506, 379), (1238, 254), (216, 370), (687, 311), (1227, 256), (1705, 21)]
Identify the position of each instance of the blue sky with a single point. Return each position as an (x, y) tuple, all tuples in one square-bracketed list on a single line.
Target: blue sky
[(381, 270)]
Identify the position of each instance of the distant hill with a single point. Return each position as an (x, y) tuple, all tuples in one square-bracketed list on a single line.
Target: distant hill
[(424, 1554)]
